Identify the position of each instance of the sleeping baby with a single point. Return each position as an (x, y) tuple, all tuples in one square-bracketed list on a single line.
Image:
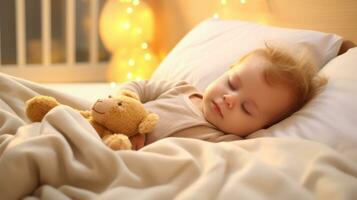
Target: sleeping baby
[(264, 87)]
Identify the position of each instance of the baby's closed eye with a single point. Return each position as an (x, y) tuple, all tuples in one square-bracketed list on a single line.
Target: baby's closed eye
[(249, 107)]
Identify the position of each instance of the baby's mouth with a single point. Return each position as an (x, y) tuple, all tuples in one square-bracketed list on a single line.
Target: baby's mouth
[(217, 109)]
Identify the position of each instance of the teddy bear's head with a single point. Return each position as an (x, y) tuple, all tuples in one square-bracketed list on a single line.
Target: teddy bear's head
[(123, 114)]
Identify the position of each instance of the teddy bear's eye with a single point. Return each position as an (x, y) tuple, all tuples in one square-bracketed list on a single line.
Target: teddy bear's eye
[(119, 103), (110, 96)]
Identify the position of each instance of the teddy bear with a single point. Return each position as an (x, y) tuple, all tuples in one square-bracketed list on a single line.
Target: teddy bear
[(114, 119)]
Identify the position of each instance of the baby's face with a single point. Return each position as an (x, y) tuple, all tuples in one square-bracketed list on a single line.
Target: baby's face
[(241, 101)]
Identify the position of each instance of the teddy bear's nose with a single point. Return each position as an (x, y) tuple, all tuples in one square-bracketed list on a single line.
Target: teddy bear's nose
[(119, 103)]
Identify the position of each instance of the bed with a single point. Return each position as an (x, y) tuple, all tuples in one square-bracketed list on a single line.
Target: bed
[(310, 155)]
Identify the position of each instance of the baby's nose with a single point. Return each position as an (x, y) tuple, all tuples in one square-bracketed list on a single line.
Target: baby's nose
[(229, 100)]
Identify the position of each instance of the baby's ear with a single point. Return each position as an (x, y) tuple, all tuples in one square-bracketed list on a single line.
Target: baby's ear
[(129, 93)]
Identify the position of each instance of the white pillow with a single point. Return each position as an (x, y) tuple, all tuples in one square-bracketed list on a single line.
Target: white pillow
[(209, 49), (331, 117)]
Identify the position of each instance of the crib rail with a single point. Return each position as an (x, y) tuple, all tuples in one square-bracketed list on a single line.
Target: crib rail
[(71, 70)]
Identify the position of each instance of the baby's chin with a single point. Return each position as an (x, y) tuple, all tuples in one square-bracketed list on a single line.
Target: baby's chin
[(208, 118), (217, 123), (205, 115)]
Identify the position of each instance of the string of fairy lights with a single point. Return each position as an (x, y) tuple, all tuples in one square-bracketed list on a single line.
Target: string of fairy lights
[(223, 6), (127, 28)]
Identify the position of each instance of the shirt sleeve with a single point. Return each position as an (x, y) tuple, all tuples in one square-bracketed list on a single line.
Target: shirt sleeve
[(148, 90)]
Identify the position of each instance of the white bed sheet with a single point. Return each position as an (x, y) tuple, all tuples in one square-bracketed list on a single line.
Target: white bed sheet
[(63, 157)]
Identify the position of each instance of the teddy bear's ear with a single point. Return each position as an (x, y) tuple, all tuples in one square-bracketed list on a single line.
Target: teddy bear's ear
[(148, 123), (129, 93)]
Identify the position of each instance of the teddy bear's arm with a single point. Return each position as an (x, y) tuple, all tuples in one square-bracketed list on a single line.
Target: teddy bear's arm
[(129, 93), (102, 131), (85, 113), (38, 106), (117, 141), (148, 124)]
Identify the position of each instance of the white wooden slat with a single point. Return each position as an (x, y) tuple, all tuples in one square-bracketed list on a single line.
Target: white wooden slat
[(0, 49), (80, 72), (20, 32), (70, 32), (46, 32), (93, 41), (94, 71)]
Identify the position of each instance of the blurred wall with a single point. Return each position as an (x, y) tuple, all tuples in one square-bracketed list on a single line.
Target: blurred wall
[(176, 17)]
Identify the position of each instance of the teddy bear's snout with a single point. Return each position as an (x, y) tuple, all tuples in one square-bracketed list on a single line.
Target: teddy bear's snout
[(103, 105)]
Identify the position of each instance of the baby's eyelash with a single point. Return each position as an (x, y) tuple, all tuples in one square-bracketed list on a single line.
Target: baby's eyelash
[(230, 85)]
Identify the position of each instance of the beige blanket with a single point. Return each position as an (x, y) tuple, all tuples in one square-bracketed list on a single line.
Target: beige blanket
[(63, 158)]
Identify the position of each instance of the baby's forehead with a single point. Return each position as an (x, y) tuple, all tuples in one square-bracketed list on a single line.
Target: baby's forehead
[(253, 65), (255, 58)]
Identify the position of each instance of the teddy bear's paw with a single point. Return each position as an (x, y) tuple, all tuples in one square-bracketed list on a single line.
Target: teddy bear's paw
[(129, 93), (86, 113), (38, 106), (118, 142), (148, 124)]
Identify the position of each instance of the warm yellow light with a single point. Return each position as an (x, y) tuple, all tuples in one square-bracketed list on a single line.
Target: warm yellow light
[(216, 15), (129, 64), (243, 1), (223, 2), (136, 2), (120, 25), (129, 76), (113, 84), (147, 56), (144, 45), (126, 25), (139, 30), (129, 10), (263, 20)]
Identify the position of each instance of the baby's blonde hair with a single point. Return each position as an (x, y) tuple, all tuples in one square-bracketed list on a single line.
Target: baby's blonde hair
[(295, 71)]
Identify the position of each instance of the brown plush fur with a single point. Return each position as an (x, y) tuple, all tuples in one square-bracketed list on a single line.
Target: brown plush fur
[(114, 119)]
